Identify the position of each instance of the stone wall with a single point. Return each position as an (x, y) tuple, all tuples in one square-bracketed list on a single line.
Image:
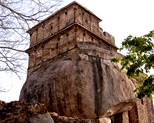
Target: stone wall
[(62, 19), (61, 43), (60, 32)]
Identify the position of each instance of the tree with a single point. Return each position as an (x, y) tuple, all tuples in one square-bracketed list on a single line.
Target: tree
[(16, 17), (139, 59)]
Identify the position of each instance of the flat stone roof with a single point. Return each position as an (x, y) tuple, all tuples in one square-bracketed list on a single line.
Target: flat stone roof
[(67, 6)]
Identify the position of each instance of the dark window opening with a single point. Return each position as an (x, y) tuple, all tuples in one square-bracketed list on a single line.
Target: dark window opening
[(86, 20), (31, 34), (118, 118), (133, 114), (65, 13), (51, 27), (84, 34)]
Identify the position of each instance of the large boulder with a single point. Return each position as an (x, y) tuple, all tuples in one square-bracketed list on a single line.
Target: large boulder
[(85, 86)]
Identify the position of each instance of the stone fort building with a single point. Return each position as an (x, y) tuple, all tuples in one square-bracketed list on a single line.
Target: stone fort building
[(71, 72)]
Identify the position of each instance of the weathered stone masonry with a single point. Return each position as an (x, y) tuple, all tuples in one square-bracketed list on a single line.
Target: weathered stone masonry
[(71, 72), (61, 31)]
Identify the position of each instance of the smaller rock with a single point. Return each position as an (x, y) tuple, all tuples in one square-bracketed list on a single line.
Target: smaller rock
[(42, 118), (104, 120)]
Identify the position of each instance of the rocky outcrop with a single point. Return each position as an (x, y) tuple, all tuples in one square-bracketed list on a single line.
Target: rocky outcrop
[(22, 112), (80, 85), (64, 119)]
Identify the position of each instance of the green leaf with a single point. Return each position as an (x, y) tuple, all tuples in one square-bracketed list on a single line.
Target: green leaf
[(139, 58), (115, 60)]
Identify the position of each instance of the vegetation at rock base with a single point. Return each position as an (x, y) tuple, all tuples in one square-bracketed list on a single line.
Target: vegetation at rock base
[(139, 59)]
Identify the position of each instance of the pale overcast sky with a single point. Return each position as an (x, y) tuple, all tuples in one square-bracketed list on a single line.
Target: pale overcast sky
[(119, 17)]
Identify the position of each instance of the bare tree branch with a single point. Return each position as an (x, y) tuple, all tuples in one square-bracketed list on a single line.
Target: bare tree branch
[(16, 17)]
